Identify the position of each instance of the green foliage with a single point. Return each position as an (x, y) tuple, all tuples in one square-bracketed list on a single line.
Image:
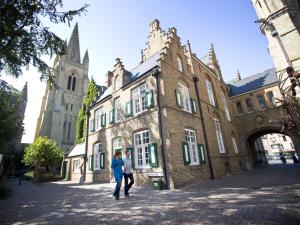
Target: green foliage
[(43, 152), (11, 122), (91, 93), (23, 37)]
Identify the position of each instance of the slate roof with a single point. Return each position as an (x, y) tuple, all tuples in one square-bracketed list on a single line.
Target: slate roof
[(135, 73), (253, 82), (77, 149)]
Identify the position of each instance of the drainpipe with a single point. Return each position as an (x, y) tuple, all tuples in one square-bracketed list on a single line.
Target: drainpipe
[(155, 73), (87, 118), (196, 79)]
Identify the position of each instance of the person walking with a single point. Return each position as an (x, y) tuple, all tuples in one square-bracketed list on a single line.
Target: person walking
[(117, 172), (128, 173), (282, 158)]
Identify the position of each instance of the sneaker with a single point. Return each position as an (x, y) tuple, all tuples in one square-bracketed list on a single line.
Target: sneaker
[(117, 198), (126, 195)]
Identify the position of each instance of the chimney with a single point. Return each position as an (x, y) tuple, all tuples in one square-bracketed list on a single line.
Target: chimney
[(109, 76)]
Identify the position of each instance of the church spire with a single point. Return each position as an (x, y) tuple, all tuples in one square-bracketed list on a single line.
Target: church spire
[(73, 51), (85, 60)]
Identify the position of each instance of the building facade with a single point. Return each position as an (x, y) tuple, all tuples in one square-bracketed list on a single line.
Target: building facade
[(172, 112), (63, 99), (274, 144), (280, 23)]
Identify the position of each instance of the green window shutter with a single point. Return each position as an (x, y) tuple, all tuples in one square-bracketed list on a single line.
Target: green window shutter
[(186, 153), (91, 162), (153, 155), (201, 153), (131, 149), (194, 105), (149, 99), (128, 109), (92, 125), (111, 116), (178, 99), (102, 160), (103, 120)]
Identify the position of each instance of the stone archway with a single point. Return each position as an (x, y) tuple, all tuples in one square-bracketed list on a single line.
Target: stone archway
[(259, 156)]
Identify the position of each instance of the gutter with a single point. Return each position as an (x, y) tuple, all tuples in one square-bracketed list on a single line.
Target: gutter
[(155, 74), (88, 114), (196, 79)]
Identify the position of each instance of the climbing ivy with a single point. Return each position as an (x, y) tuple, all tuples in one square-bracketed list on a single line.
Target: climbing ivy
[(91, 93)]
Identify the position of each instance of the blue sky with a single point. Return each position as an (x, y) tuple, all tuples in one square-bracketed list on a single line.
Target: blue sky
[(119, 29)]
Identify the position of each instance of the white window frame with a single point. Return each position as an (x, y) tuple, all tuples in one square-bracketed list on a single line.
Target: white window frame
[(117, 144), (210, 92), (76, 165), (139, 99), (219, 136), (179, 64), (96, 156), (97, 116), (141, 151), (117, 110), (185, 98), (225, 106), (191, 139), (235, 148)]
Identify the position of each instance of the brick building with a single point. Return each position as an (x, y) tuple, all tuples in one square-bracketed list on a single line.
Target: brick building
[(171, 111)]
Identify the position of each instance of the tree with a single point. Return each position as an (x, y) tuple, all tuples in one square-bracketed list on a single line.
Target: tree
[(24, 39), (11, 122), (43, 152), (91, 93)]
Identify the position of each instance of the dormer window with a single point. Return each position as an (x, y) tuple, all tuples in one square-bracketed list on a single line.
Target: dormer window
[(179, 64)]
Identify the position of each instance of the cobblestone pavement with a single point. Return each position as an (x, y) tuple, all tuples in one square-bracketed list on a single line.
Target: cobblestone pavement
[(268, 195)]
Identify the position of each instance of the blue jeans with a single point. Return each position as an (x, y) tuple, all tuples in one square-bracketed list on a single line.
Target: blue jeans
[(117, 188)]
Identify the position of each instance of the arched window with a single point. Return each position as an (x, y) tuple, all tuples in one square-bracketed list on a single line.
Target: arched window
[(271, 98), (210, 92), (74, 84), (179, 64), (69, 131), (225, 106), (183, 97), (69, 82), (261, 101), (249, 105), (239, 108), (117, 83), (235, 148), (64, 131)]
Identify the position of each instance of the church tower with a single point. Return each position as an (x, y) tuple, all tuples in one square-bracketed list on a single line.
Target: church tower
[(63, 99), (280, 22)]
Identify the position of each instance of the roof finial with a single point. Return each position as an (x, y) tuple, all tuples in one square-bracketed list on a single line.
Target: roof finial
[(238, 75)]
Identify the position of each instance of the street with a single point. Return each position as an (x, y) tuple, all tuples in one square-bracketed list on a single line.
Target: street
[(265, 195)]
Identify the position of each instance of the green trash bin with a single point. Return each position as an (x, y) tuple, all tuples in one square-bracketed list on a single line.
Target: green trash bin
[(157, 183)]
